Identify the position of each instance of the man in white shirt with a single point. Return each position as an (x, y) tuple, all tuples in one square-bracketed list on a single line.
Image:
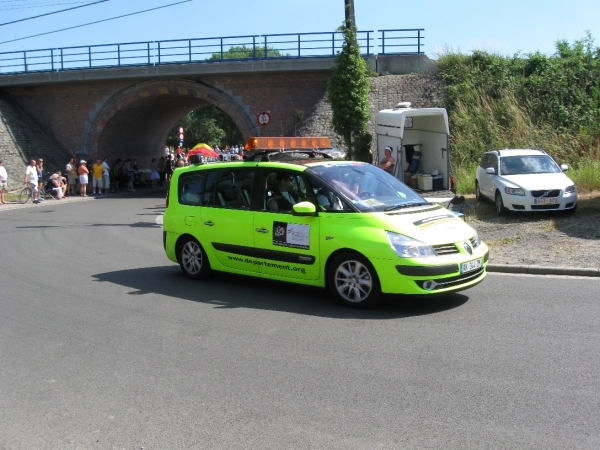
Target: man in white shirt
[(106, 175), (31, 178), (3, 182)]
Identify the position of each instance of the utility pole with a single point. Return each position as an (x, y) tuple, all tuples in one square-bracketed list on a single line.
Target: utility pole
[(349, 10)]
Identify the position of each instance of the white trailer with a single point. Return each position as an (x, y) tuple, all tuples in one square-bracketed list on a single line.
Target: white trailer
[(419, 138)]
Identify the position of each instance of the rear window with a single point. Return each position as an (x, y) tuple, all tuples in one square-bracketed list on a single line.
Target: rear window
[(191, 188)]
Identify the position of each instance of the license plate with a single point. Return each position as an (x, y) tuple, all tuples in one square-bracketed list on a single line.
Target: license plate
[(471, 265), (545, 201)]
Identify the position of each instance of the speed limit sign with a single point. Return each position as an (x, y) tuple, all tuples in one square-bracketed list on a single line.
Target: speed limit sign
[(263, 118)]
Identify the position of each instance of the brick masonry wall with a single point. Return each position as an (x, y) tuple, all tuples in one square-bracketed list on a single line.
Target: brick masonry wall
[(422, 90), (22, 139)]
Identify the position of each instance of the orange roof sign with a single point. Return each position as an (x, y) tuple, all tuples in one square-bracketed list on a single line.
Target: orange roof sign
[(287, 143)]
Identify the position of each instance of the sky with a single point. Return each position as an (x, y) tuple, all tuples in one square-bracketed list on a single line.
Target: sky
[(503, 27)]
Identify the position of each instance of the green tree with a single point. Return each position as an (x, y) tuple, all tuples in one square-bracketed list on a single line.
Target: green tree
[(243, 52), (209, 125), (348, 92)]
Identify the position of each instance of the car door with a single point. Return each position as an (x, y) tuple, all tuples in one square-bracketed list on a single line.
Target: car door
[(287, 246), (227, 222), (486, 180)]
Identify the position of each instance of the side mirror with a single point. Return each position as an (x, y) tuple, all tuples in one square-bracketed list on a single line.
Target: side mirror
[(304, 209), (564, 167), (490, 171)]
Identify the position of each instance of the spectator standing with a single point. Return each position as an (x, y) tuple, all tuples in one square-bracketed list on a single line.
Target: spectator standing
[(161, 170), (97, 172), (154, 176), (106, 175), (31, 178), (70, 172), (40, 173), (168, 168), (130, 171), (116, 173), (3, 182), (83, 172)]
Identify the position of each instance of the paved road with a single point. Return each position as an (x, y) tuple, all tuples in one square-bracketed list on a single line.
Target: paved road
[(104, 344)]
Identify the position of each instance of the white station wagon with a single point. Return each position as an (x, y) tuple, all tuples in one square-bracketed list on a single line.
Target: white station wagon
[(524, 180)]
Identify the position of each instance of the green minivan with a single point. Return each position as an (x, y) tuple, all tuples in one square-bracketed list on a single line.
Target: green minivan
[(304, 218)]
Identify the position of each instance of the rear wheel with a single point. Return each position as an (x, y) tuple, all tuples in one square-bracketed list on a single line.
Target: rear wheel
[(192, 259), (500, 209), (353, 281), (478, 192)]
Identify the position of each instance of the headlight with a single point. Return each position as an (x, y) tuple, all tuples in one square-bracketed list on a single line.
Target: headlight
[(514, 191), (406, 247), (570, 189), (475, 240)]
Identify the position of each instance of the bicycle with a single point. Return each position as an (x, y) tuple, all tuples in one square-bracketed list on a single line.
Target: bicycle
[(25, 194)]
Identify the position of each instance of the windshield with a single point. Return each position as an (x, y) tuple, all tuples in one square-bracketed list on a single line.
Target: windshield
[(367, 187), (518, 165)]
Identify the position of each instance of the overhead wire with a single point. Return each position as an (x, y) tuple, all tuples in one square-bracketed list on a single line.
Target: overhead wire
[(97, 21), (54, 12)]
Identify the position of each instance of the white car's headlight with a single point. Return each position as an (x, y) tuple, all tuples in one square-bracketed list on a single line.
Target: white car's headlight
[(406, 247), (514, 191), (570, 189)]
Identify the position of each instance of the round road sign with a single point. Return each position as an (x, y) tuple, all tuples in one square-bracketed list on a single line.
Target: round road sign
[(263, 118)]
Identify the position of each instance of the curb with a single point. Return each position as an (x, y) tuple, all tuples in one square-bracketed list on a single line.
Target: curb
[(538, 270)]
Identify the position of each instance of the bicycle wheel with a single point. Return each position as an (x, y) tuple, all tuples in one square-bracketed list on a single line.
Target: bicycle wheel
[(25, 195)]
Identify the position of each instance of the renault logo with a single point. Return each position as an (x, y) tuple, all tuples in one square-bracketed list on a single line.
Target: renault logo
[(468, 248)]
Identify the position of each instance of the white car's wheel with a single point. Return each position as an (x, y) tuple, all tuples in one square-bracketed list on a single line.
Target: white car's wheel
[(478, 192), (500, 209)]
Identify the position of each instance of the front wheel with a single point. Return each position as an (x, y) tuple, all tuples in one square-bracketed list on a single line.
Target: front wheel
[(25, 195), (353, 281), (192, 259), (500, 209)]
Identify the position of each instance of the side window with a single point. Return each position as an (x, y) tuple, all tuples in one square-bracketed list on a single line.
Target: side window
[(485, 161), (234, 188), (191, 188), (283, 189), (494, 163), (327, 199)]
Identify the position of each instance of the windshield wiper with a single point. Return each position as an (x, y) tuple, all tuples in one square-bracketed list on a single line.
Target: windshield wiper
[(405, 205)]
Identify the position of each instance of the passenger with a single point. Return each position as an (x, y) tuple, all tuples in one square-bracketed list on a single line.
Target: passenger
[(285, 197)]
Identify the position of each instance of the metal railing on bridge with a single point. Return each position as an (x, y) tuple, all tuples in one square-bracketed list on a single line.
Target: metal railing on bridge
[(209, 50)]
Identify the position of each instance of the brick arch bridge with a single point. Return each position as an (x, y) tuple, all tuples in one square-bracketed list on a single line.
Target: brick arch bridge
[(128, 111), (141, 116)]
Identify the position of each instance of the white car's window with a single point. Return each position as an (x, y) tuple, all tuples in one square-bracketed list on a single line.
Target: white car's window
[(366, 187), (519, 165)]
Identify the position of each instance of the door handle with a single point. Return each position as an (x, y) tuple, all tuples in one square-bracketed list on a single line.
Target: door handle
[(210, 223), (262, 230)]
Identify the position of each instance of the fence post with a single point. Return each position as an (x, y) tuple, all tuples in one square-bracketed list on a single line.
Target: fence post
[(254, 47), (158, 52), (25, 61), (52, 59), (190, 49), (265, 47), (418, 42), (221, 40), (118, 55), (383, 42), (148, 51), (333, 44), (298, 45)]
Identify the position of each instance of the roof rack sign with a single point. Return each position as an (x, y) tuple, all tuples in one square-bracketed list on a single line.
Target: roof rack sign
[(287, 143)]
